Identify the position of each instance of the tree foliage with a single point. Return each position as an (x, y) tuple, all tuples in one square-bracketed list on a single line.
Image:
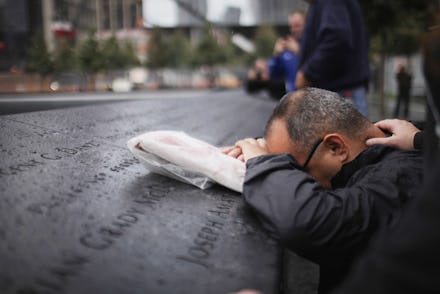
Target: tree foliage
[(396, 26), (175, 50), (158, 51), (112, 56), (129, 53), (65, 58), (38, 56), (169, 50), (89, 54), (209, 51), (265, 38), (180, 54), (118, 55), (237, 56)]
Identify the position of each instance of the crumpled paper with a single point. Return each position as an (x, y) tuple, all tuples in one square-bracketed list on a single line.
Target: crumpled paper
[(179, 156)]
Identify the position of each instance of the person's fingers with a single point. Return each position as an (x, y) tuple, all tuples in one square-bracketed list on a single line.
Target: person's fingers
[(235, 152), (247, 291), (386, 124), (240, 144), (383, 141), (241, 157), (386, 121), (394, 125), (226, 149)]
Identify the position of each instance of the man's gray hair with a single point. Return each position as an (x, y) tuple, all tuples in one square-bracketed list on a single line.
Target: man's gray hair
[(312, 113)]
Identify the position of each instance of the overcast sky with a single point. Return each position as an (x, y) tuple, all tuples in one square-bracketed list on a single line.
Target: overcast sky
[(164, 12)]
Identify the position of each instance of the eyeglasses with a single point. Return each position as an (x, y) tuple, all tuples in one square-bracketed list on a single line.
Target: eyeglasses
[(315, 146)]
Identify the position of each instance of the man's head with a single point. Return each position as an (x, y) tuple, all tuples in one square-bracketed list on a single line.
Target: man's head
[(296, 23), (320, 129), (401, 68)]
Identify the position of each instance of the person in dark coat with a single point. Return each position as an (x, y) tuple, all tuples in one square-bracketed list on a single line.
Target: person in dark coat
[(316, 186), (403, 91), (334, 50)]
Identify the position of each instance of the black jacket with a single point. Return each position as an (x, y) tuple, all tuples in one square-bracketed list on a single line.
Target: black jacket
[(407, 260), (334, 46), (331, 227)]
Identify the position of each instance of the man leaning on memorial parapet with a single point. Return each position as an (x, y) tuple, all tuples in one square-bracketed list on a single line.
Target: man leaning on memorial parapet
[(318, 188)]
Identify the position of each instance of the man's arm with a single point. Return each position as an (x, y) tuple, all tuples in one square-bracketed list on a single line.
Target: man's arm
[(297, 210)]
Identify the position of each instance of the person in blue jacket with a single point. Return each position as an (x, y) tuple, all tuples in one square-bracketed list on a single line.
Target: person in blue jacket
[(334, 50), (284, 62)]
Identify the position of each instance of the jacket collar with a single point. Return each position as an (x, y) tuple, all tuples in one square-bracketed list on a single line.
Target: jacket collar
[(369, 156)]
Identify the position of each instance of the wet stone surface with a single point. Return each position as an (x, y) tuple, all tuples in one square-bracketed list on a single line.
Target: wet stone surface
[(79, 214)]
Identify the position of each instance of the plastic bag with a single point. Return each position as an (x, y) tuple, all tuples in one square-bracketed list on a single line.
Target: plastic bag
[(176, 155)]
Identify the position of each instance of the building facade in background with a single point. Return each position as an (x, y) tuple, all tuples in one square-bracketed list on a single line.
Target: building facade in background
[(19, 20), (74, 19), (273, 12), (232, 16), (276, 11), (66, 19), (186, 18), (98, 15)]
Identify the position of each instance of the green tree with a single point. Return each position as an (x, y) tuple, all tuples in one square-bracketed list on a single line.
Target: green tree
[(265, 38), (235, 55), (65, 58), (38, 57), (180, 50), (169, 50), (158, 55), (395, 27), (129, 52), (113, 56), (89, 55), (90, 58), (209, 52)]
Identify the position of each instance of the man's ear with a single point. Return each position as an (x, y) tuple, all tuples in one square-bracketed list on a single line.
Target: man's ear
[(337, 146)]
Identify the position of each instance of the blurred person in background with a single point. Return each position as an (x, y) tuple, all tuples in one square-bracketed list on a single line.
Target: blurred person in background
[(259, 71), (334, 50), (277, 75), (403, 79), (257, 76), (284, 62)]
